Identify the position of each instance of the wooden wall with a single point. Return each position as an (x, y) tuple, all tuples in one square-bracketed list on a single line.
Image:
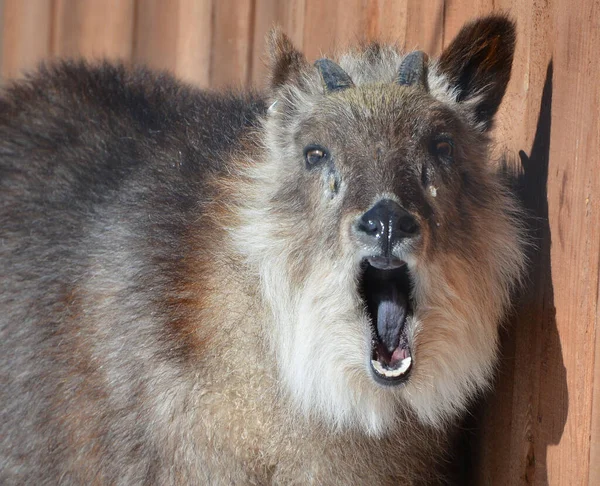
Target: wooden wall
[(542, 424)]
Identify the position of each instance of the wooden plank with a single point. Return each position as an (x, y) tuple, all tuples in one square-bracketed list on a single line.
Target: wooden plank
[(574, 209), (537, 427), (176, 36), (26, 28), (194, 37), (1, 35), (594, 474), (514, 449), (425, 25), (355, 22), (232, 43), (268, 14), (319, 36), (389, 21), (330, 27), (93, 28), (155, 40)]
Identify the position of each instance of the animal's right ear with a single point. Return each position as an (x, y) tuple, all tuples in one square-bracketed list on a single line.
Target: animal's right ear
[(286, 63)]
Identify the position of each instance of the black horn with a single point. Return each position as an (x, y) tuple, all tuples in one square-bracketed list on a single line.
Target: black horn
[(334, 77), (413, 69)]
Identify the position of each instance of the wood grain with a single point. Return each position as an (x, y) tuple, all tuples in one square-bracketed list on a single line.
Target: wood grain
[(425, 25), (156, 31), (1, 34), (231, 56), (175, 35), (26, 31), (541, 425), (93, 28), (268, 13), (390, 21)]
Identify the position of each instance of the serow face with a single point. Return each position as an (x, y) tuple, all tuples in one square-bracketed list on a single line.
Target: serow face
[(397, 239)]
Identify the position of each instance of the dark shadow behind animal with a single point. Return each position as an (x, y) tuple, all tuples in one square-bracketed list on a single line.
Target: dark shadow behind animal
[(297, 287)]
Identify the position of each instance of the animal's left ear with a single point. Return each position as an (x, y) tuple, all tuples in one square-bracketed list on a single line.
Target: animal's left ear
[(478, 63)]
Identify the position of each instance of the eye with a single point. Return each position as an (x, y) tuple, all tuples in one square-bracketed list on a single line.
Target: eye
[(443, 149), (314, 154)]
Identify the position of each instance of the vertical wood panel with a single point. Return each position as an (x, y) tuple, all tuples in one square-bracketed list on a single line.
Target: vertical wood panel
[(319, 28), (156, 27), (26, 29), (175, 35), (1, 34), (594, 476), (574, 210), (390, 19), (268, 14), (332, 26), (232, 41), (194, 36), (425, 25), (355, 22), (93, 28)]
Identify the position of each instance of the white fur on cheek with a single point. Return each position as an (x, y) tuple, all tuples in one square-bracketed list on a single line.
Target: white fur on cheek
[(322, 350)]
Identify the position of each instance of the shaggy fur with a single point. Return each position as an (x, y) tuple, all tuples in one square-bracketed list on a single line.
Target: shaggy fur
[(181, 297)]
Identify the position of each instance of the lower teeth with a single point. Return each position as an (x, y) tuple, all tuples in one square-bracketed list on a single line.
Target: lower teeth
[(403, 368)]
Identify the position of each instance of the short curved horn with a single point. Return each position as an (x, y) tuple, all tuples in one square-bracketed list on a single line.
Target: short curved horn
[(413, 69), (334, 77)]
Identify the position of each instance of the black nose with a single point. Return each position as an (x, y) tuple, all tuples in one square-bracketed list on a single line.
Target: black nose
[(389, 223)]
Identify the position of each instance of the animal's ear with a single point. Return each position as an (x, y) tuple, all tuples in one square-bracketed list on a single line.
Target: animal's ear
[(478, 63), (286, 63)]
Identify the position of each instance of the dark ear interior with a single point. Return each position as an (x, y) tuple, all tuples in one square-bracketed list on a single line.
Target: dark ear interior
[(286, 63), (478, 64)]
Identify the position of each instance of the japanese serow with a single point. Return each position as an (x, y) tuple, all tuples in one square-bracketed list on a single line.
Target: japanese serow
[(302, 286)]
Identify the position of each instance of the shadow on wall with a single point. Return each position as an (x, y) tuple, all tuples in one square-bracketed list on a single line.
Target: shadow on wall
[(537, 312), (507, 438)]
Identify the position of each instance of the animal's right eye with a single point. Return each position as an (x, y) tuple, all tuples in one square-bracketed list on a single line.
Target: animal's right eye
[(313, 154), (443, 148)]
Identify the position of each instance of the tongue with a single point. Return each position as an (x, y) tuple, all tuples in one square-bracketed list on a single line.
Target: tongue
[(391, 314)]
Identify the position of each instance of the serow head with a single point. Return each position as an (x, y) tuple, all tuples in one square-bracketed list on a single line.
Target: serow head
[(393, 243)]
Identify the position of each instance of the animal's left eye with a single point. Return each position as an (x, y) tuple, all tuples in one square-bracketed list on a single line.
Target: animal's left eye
[(314, 155)]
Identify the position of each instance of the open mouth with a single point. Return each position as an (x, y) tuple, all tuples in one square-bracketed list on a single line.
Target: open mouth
[(385, 287)]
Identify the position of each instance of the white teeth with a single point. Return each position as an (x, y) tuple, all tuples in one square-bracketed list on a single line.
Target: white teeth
[(404, 365)]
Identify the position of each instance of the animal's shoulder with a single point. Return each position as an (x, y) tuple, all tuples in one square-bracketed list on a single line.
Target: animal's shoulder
[(82, 142)]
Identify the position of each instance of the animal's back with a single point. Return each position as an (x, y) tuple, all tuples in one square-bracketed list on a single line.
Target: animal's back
[(103, 171)]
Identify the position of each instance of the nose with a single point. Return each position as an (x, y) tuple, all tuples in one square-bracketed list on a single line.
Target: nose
[(387, 223)]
